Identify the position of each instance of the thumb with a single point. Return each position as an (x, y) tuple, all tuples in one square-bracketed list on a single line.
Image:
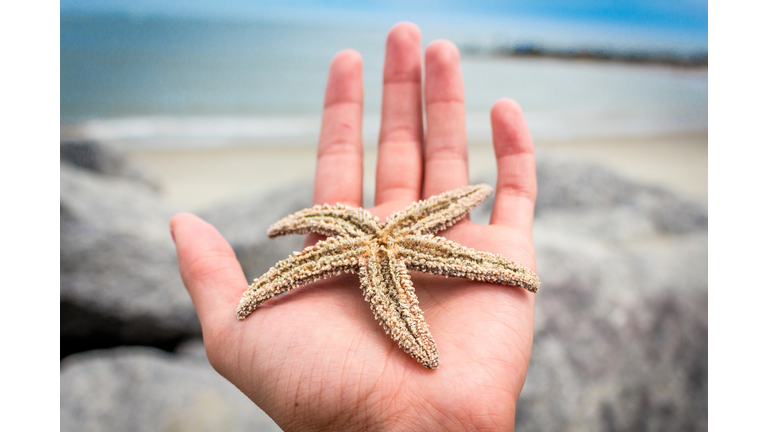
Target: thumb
[(209, 269)]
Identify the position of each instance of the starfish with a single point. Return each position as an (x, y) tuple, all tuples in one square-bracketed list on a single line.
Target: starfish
[(382, 254)]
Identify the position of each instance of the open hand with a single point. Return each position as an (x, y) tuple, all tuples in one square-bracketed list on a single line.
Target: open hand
[(315, 358)]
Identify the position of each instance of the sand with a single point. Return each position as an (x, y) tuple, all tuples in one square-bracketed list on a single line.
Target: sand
[(194, 179)]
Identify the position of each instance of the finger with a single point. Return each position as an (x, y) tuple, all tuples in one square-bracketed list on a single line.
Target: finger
[(399, 163), (516, 182), (209, 269), (445, 165), (339, 173)]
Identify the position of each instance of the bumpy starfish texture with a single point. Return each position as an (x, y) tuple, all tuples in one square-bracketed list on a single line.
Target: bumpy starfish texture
[(382, 254)]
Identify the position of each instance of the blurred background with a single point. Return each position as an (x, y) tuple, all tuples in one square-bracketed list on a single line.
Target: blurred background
[(149, 76), (214, 108)]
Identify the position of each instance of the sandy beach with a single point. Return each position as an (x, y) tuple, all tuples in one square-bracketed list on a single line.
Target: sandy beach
[(194, 179)]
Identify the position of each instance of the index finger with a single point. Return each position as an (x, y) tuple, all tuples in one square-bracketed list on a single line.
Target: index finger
[(339, 172)]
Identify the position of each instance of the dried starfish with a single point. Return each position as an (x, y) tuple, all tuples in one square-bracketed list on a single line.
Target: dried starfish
[(382, 254)]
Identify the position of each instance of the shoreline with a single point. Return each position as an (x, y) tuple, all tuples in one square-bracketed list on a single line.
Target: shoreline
[(198, 178), (691, 58)]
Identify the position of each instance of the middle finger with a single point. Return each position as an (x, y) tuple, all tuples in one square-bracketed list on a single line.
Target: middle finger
[(399, 166)]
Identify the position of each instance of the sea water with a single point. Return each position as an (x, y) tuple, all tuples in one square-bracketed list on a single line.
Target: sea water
[(154, 81)]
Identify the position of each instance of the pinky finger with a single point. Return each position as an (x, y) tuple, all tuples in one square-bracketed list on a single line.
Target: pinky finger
[(516, 182)]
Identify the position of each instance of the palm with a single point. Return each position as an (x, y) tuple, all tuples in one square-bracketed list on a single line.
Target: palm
[(316, 357)]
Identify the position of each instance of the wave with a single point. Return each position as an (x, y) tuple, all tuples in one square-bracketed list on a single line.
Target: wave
[(197, 132)]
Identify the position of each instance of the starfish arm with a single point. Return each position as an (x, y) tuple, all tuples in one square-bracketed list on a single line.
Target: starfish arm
[(438, 212), (328, 220), (438, 255), (387, 287), (324, 259)]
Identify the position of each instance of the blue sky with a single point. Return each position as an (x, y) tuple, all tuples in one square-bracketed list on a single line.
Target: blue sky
[(688, 15)]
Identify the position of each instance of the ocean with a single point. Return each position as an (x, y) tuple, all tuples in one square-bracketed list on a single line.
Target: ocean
[(155, 81)]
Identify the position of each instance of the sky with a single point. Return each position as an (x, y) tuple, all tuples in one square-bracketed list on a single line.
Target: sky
[(121, 57), (687, 15)]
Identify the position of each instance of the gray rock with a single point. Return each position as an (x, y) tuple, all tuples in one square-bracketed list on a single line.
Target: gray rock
[(599, 202), (120, 283), (621, 318), (143, 389), (244, 224), (119, 275), (104, 160), (621, 334), (575, 187)]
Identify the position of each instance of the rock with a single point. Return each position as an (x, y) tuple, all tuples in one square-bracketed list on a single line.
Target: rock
[(621, 318), (621, 335), (101, 159), (143, 389), (244, 224), (120, 282), (581, 187)]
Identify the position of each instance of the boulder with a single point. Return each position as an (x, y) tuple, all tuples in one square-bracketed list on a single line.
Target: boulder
[(244, 223), (621, 330), (120, 282), (143, 389), (621, 335), (621, 318), (585, 188), (102, 159)]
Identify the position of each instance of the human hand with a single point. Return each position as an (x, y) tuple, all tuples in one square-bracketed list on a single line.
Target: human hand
[(315, 358)]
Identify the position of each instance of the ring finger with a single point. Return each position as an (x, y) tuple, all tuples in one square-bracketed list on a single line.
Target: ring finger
[(446, 148)]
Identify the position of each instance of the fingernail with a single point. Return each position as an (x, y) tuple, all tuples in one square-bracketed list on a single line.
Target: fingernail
[(173, 236)]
